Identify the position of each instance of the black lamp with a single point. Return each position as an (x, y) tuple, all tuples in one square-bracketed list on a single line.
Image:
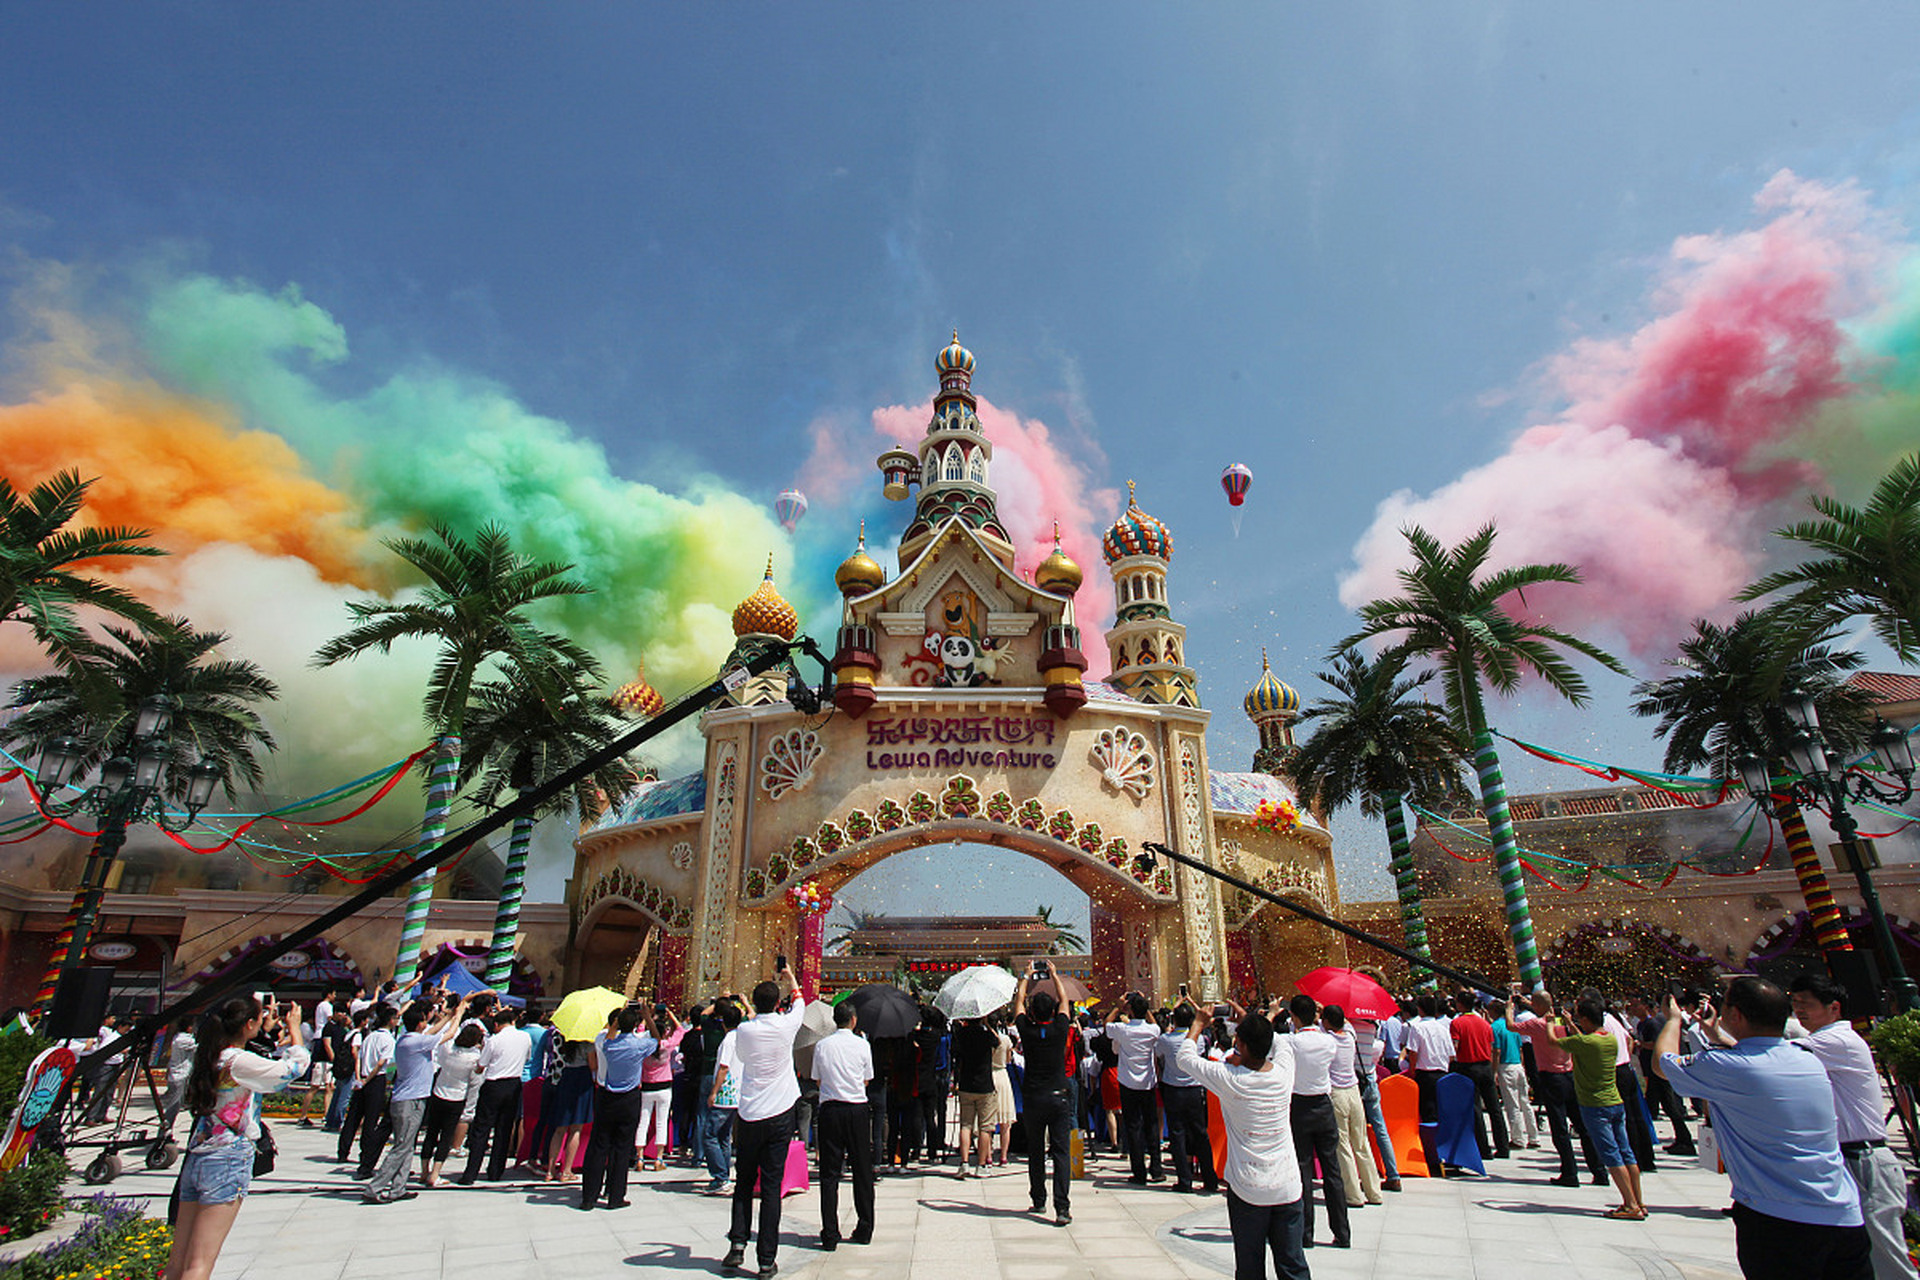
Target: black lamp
[(1892, 750), (59, 762), (1755, 776), (1805, 754), (155, 716)]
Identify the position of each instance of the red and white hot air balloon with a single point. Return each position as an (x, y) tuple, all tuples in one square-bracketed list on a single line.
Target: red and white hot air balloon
[(1236, 480), (789, 507)]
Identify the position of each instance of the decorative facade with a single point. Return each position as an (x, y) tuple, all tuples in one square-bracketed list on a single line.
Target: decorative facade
[(961, 712)]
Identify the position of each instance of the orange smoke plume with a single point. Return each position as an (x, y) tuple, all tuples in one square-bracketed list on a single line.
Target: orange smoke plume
[(172, 466)]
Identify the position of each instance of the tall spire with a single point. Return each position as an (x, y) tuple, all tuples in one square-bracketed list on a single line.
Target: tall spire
[(951, 467)]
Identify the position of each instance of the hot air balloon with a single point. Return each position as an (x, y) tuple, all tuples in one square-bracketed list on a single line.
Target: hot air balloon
[(1236, 480), (789, 507)]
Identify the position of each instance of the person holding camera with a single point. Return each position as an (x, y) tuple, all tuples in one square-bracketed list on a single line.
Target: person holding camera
[(223, 1097), (763, 1131), (1133, 1041), (1050, 1044), (843, 1064)]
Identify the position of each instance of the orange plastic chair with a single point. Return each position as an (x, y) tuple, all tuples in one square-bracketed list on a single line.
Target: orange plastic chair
[(1400, 1103)]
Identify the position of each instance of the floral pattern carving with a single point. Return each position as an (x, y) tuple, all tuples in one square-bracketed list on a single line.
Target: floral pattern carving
[(681, 855), (920, 808), (1032, 816), (1060, 826), (788, 762), (830, 838), (717, 912), (1000, 808), (860, 826), (1125, 760), (671, 913), (890, 816), (1090, 838)]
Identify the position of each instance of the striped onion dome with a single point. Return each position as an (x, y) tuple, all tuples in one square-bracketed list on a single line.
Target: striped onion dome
[(1271, 696), (765, 613), (639, 699), (1136, 533), (954, 356)]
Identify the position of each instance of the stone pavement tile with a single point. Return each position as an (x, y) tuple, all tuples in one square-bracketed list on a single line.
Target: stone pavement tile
[(328, 1269), (1034, 1271)]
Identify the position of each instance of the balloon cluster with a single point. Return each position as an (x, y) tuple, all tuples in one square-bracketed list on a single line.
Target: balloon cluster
[(1277, 816), (809, 898)]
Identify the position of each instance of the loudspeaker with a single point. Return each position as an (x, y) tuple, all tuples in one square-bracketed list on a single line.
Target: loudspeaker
[(80, 1003)]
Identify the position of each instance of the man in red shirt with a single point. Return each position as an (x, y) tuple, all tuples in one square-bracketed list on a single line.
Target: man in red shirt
[(1473, 1058)]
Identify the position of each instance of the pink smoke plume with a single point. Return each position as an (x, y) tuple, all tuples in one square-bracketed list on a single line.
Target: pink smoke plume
[(1037, 482), (1672, 455)]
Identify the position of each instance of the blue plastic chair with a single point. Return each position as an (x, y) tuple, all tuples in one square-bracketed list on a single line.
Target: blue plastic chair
[(1456, 1142)]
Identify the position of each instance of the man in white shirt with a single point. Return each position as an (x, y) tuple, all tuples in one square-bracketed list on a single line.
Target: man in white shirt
[(843, 1064), (1316, 1132), (763, 1130), (376, 1124), (1186, 1106), (506, 1053), (1134, 1040), (1817, 1003), (1429, 1055), (1255, 1089)]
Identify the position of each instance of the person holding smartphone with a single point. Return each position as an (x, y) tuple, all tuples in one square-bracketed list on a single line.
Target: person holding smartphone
[(1050, 1044)]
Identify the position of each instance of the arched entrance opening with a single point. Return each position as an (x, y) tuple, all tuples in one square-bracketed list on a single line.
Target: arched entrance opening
[(921, 914), (1624, 956), (304, 974), (1125, 908)]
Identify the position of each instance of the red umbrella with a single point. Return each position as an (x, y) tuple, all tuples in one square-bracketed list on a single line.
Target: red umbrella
[(1356, 993)]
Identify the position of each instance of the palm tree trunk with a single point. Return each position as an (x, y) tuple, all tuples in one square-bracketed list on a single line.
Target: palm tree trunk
[(442, 779), (1828, 930), (1506, 847), (506, 920), (1406, 883)]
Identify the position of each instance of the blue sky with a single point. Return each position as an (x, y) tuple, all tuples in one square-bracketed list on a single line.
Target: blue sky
[(1319, 240)]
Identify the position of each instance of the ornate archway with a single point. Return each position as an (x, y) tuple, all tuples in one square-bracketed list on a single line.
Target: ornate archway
[(310, 969), (1786, 948), (1620, 956)]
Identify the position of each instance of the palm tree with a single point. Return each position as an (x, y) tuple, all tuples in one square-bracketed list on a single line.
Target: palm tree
[(94, 700), (517, 738), (1066, 939), (1379, 744), (214, 720), (38, 556), (1867, 562), (473, 606), (1453, 614), (1723, 703)]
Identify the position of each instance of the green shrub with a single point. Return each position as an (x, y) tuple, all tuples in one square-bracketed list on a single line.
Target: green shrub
[(1896, 1042), (30, 1195)]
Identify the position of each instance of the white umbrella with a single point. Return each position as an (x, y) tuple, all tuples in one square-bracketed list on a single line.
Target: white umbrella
[(975, 991), (816, 1024)]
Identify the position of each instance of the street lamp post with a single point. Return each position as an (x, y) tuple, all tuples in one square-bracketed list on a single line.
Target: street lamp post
[(131, 788), (1821, 778)]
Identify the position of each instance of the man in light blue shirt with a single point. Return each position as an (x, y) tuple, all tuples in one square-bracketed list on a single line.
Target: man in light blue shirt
[(1184, 1099), (1796, 1212), (618, 1054)]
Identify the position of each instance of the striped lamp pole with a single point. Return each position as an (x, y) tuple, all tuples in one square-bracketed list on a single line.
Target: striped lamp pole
[(1506, 853), (1828, 930), (441, 781), (506, 920), (57, 959), (1406, 883)]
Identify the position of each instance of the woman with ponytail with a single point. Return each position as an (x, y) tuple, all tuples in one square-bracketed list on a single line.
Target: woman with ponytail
[(223, 1097)]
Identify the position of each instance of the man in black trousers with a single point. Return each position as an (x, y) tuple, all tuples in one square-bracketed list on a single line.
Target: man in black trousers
[(501, 1062), (618, 1054), (763, 1128), (1048, 1041), (376, 1055), (1316, 1134), (843, 1064)]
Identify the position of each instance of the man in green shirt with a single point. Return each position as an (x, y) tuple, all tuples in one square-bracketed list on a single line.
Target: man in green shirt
[(1594, 1053)]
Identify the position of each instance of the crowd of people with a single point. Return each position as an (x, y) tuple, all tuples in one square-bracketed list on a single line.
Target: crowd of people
[(1296, 1130)]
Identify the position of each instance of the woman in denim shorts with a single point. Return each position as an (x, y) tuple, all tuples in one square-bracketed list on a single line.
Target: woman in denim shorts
[(223, 1096)]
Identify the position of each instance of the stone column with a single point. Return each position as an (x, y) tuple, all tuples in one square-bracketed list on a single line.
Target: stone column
[(718, 905), (1203, 922)]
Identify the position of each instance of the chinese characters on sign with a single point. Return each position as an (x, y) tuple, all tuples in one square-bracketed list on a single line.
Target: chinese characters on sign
[(948, 742)]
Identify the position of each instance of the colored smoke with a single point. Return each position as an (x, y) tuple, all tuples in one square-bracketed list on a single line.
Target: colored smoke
[(1771, 357)]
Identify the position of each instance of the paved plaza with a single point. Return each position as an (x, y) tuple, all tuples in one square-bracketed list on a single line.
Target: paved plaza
[(305, 1222)]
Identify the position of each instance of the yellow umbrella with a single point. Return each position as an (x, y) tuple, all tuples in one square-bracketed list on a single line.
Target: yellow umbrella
[(583, 1014)]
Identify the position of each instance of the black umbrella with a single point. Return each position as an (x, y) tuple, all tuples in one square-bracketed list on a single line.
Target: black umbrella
[(884, 1010)]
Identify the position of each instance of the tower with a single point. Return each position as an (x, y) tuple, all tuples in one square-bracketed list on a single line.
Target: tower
[(1147, 645), (1273, 706), (952, 468), (763, 618)]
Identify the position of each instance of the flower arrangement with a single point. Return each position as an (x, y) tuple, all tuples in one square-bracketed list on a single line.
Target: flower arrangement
[(1277, 816), (30, 1195), (809, 898), (118, 1242)]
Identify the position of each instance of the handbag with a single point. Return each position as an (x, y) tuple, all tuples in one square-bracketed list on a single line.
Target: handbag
[(264, 1151)]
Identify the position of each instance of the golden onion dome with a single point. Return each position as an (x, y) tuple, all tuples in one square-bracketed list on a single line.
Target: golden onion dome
[(1271, 696), (639, 699), (765, 613), (859, 573), (1058, 573)]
